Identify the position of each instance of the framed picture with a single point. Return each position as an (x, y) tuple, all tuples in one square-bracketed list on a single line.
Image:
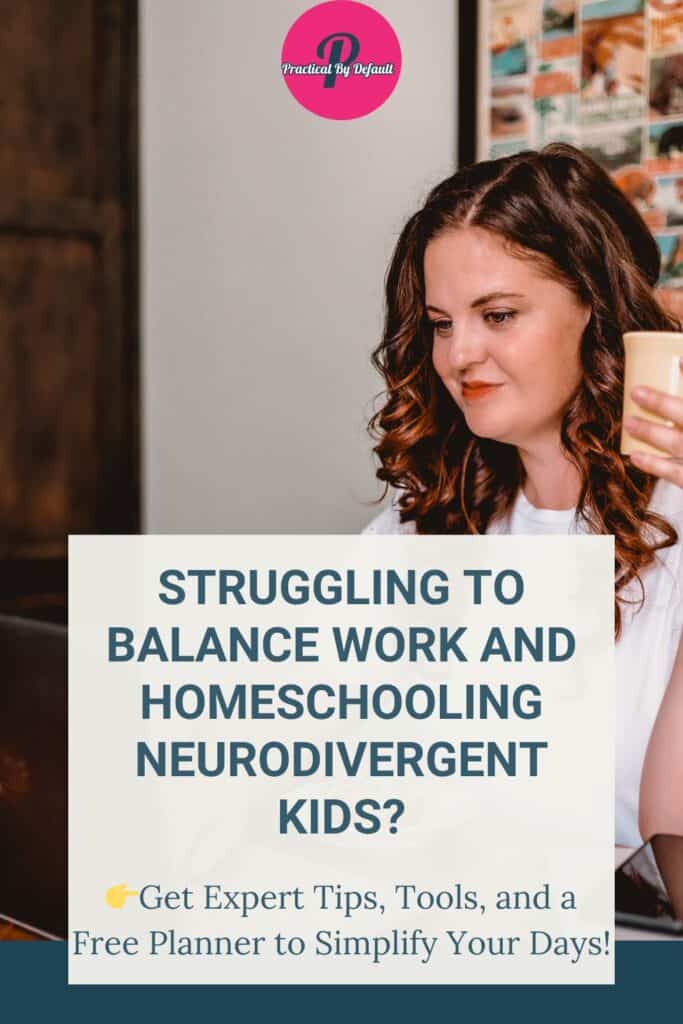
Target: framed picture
[(603, 75)]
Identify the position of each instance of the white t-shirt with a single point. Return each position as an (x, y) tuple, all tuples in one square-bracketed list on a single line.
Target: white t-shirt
[(646, 649)]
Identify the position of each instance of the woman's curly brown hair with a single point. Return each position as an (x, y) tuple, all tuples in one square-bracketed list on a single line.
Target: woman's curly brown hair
[(559, 208)]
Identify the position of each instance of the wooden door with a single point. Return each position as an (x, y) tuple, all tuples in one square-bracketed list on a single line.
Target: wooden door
[(68, 288)]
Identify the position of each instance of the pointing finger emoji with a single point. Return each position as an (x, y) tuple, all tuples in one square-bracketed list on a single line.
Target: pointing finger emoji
[(118, 894)]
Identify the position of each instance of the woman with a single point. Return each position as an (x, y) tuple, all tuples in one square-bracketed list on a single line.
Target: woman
[(507, 297)]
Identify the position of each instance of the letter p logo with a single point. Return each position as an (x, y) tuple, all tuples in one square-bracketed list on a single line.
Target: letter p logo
[(315, 54)]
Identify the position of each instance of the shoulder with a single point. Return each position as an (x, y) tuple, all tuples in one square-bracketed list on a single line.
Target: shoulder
[(667, 499), (388, 522), (662, 579)]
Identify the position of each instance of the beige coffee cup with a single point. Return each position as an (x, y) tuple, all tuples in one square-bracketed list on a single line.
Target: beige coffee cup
[(652, 361)]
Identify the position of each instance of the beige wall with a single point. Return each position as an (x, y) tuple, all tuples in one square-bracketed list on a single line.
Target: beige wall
[(266, 234)]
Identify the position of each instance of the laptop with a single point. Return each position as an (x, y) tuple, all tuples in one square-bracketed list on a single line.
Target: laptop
[(17, 931), (649, 887)]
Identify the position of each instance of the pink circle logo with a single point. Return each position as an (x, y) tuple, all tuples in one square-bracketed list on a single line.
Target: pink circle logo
[(341, 60)]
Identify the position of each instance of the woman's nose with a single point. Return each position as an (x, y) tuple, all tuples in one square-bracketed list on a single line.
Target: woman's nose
[(466, 348)]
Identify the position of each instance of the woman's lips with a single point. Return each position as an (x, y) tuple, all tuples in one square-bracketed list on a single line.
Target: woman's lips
[(476, 391)]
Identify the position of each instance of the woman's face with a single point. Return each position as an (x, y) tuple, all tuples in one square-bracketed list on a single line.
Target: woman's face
[(506, 338)]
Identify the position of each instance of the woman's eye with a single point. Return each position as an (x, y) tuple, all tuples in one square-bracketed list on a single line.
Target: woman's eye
[(441, 326), (500, 316)]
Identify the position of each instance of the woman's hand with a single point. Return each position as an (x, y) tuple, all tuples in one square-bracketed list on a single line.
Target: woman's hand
[(668, 439)]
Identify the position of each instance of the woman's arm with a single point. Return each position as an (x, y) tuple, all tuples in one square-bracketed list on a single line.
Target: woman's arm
[(661, 785)]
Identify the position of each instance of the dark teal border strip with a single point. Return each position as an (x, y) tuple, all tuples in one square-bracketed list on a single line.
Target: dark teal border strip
[(33, 987)]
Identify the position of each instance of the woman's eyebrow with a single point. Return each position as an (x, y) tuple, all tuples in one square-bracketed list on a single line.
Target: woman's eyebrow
[(495, 295), (489, 297)]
